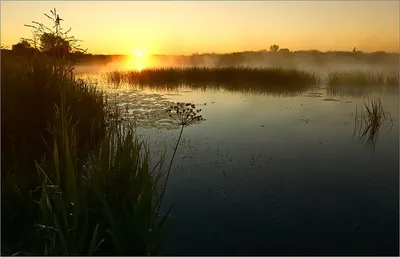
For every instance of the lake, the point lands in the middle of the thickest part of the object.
(273, 174)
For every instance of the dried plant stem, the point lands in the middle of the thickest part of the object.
(170, 164)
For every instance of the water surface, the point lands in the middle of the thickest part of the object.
(270, 174)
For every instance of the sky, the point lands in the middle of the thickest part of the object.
(186, 27)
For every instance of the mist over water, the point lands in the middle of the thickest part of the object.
(308, 61)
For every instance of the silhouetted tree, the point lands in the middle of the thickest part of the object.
(54, 45)
(54, 41)
(23, 48)
(274, 48)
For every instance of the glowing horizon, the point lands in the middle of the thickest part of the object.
(183, 28)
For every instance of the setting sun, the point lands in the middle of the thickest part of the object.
(139, 53)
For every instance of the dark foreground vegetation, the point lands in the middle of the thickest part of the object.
(75, 179)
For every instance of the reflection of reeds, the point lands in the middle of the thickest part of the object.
(232, 78)
(368, 122)
(357, 82)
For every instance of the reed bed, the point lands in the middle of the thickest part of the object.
(30, 92)
(232, 78)
(75, 180)
(361, 79)
(109, 206)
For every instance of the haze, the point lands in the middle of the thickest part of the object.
(189, 27)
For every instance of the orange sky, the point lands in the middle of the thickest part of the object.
(121, 27)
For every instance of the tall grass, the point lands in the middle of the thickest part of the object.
(108, 206)
(29, 93)
(361, 79)
(74, 186)
(233, 78)
(359, 82)
(368, 122)
(75, 180)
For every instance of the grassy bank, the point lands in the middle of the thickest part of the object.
(31, 93)
(75, 181)
(231, 78)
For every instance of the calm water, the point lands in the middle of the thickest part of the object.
(276, 175)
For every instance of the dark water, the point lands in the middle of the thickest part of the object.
(278, 175)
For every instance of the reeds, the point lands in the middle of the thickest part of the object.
(75, 179)
(369, 121)
(231, 78)
(359, 78)
(106, 207)
(29, 94)
(358, 82)
(104, 204)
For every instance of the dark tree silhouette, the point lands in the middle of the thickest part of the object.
(274, 48)
(54, 41)
(23, 48)
(54, 45)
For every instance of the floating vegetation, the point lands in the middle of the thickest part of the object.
(369, 121)
(145, 110)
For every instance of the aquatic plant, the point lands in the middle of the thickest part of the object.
(369, 121)
(184, 114)
(275, 80)
(357, 82)
(392, 81)
(358, 78)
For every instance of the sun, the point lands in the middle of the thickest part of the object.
(138, 60)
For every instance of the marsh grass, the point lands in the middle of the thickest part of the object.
(359, 83)
(107, 206)
(368, 122)
(361, 79)
(392, 80)
(231, 78)
(29, 94)
(106, 203)
(75, 179)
